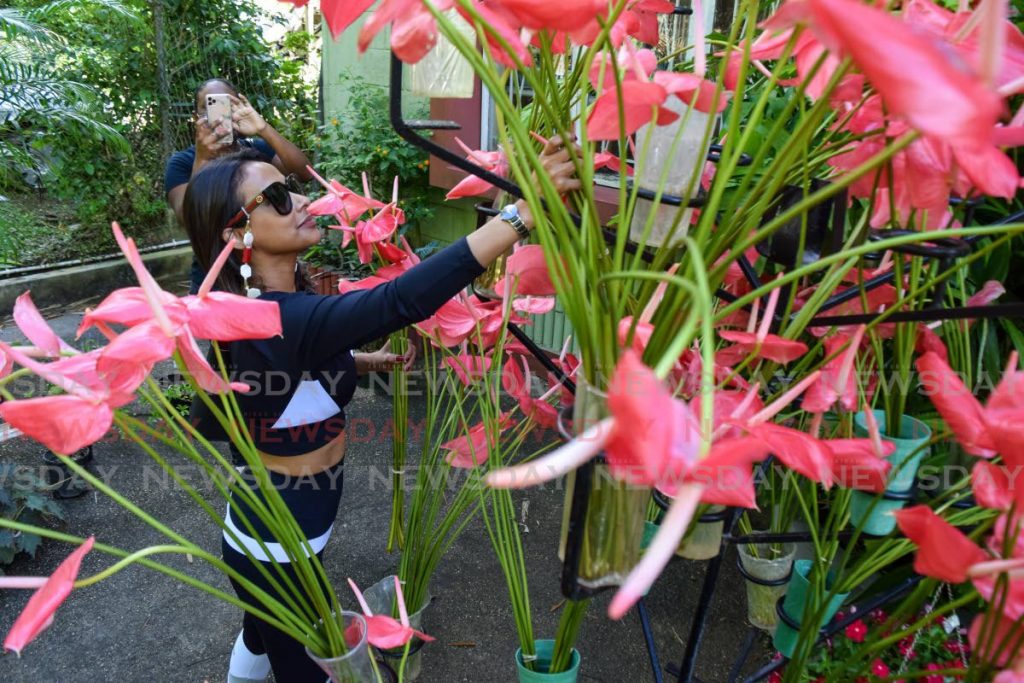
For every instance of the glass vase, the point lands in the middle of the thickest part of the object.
(681, 148)
(380, 598)
(444, 72)
(354, 666)
(767, 569)
(705, 541)
(611, 530)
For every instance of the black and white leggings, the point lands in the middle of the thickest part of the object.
(313, 500)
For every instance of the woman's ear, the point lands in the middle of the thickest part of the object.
(237, 233)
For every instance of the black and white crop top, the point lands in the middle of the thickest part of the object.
(301, 381)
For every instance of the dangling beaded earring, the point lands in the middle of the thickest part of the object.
(246, 269)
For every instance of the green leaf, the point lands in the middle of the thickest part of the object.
(29, 543)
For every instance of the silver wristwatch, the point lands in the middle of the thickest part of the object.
(510, 214)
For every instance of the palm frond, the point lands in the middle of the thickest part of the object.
(16, 24)
(52, 10)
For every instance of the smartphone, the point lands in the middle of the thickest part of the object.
(218, 111)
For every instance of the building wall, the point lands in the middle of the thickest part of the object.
(452, 219)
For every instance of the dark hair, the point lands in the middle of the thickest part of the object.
(212, 198)
(210, 81)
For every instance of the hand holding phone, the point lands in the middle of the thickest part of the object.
(218, 117)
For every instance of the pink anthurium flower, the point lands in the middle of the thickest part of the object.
(470, 450)
(34, 327)
(472, 186)
(51, 593)
(654, 439)
(66, 423)
(641, 102)
(517, 383)
(856, 465)
(956, 404)
(228, 317)
(413, 29)
(762, 344)
(910, 69)
(943, 553)
(527, 270)
(342, 202)
(468, 368)
(565, 16)
(838, 382)
(339, 14)
(386, 632)
(686, 86)
(995, 486)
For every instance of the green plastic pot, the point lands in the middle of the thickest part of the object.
(794, 604)
(650, 530)
(914, 434)
(545, 651)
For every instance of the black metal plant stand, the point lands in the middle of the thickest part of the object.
(825, 229)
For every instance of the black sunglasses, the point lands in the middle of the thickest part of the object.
(277, 194)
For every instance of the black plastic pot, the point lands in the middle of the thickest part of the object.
(64, 483)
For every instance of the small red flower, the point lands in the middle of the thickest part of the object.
(933, 679)
(775, 677)
(856, 631)
(879, 616)
(906, 648)
(879, 668)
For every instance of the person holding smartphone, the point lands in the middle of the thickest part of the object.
(213, 140)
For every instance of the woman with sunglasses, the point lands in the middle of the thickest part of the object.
(299, 429)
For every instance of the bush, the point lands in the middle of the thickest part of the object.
(24, 497)
(361, 139)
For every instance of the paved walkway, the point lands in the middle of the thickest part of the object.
(140, 626)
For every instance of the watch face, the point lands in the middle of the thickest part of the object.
(509, 211)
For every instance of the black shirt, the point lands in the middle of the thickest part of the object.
(301, 381)
(179, 167)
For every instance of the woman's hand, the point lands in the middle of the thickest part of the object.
(247, 120)
(555, 159)
(383, 360)
(208, 140)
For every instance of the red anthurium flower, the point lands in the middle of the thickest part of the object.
(956, 404)
(646, 445)
(685, 86)
(38, 613)
(34, 327)
(528, 271)
(518, 384)
(910, 69)
(943, 552)
(227, 317)
(470, 449)
(997, 629)
(985, 578)
(505, 26)
(856, 465)
(369, 234)
(995, 486)
(610, 161)
(472, 186)
(383, 631)
(762, 344)
(413, 29)
(838, 382)
(468, 368)
(798, 450)
(339, 14)
(346, 205)
(641, 102)
(565, 16)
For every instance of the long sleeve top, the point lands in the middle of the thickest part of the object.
(301, 381)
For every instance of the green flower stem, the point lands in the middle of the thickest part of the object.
(399, 439)
(296, 632)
